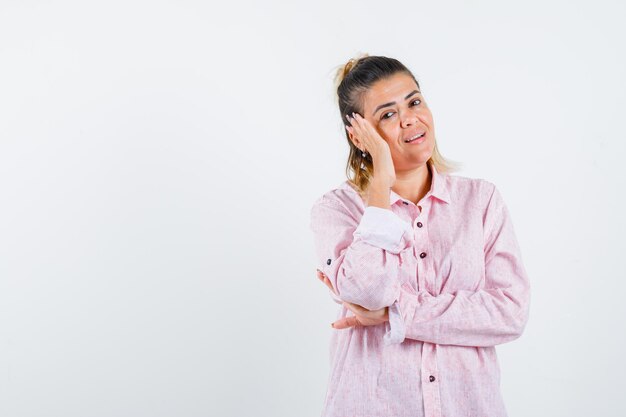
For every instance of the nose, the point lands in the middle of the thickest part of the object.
(407, 119)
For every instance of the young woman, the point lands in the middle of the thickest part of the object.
(425, 264)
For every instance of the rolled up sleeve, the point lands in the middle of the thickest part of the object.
(360, 255)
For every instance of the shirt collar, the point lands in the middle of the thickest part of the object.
(438, 188)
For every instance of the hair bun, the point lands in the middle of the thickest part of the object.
(349, 65)
(344, 70)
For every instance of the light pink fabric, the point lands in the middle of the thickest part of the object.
(449, 307)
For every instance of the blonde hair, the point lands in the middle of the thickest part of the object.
(352, 80)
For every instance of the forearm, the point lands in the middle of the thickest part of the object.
(362, 261)
(378, 194)
(482, 318)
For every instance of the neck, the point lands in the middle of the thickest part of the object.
(413, 185)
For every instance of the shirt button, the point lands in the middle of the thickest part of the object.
(423, 255)
(328, 262)
(432, 378)
(405, 203)
(419, 224)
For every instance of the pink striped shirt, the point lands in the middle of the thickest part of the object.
(450, 270)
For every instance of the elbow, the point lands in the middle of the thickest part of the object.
(519, 306)
(518, 322)
(523, 314)
(371, 293)
(517, 329)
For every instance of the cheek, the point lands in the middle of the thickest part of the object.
(381, 130)
(426, 116)
(388, 132)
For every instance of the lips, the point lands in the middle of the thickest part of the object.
(414, 137)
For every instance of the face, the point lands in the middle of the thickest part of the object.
(398, 111)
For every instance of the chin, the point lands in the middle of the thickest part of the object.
(421, 157)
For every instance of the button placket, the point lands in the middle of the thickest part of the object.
(430, 374)
(419, 224)
(421, 250)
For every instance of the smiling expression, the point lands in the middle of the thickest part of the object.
(398, 111)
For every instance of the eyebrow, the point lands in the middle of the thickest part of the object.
(391, 103)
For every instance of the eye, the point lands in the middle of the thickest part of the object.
(384, 116)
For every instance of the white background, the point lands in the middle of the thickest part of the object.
(158, 161)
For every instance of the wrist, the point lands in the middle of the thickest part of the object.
(379, 182)
(378, 194)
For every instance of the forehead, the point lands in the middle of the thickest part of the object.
(394, 88)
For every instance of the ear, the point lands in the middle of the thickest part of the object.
(354, 140)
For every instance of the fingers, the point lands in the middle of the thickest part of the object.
(352, 118)
(325, 280)
(355, 308)
(329, 285)
(346, 322)
(357, 131)
(373, 315)
(358, 319)
(362, 316)
(319, 274)
(364, 133)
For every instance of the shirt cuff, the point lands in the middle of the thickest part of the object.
(395, 326)
(384, 229)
